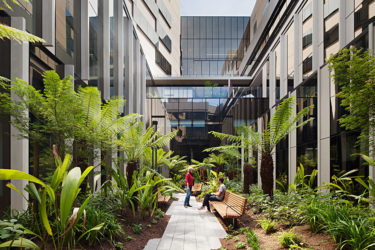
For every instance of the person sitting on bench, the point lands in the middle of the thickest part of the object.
(219, 196)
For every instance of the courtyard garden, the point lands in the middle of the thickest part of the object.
(95, 178)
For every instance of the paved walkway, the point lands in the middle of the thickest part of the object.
(189, 229)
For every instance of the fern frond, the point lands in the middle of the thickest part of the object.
(18, 35)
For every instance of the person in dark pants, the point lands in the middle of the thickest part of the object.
(219, 196)
(189, 182)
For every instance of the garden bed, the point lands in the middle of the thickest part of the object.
(137, 241)
(271, 241)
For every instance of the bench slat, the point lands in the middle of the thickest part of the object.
(233, 205)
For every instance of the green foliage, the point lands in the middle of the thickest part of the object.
(228, 236)
(353, 70)
(282, 122)
(267, 225)
(100, 213)
(154, 221)
(13, 233)
(350, 226)
(303, 180)
(252, 240)
(62, 229)
(236, 238)
(240, 245)
(244, 230)
(18, 35)
(290, 239)
(137, 228)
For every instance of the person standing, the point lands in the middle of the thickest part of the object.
(219, 196)
(189, 182)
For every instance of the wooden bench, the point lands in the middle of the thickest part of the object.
(197, 188)
(232, 207)
(163, 199)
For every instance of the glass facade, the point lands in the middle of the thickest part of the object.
(197, 110)
(65, 31)
(307, 27)
(212, 45)
(93, 42)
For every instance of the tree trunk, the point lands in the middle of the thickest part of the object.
(219, 168)
(266, 173)
(130, 168)
(248, 177)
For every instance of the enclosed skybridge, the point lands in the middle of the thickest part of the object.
(196, 110)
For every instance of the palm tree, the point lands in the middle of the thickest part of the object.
(135, 141)
(219, 161)
(281, 124)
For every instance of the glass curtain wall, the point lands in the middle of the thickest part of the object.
(210, 45)
(290, 57)
(307, 135)
(112, 43)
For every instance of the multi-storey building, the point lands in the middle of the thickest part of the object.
(290, 43)
(97, 42)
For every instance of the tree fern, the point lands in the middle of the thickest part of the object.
(18, 35)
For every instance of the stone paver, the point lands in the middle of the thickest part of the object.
(189, 229)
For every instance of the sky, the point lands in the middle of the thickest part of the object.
(217, 7)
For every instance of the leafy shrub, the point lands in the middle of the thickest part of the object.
(228, 236)
(267, 225)
(240, 245)
(236, 238)
(154, 221)
(137, 228)
(290, 239)
(111, 229)
(252, 240)
(244, 230)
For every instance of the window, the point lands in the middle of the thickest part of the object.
(162, 62)
(307, 40)
(307, 65)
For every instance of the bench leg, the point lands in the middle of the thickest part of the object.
(234, 222)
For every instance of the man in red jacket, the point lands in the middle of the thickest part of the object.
(189, 182)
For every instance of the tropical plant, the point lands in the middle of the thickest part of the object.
(219, 161)
(240, 245)
(290, 239)
(135, 140)
(252, 240)
(281, 124)
(303, 180)
(13, 235)
(65, 184)
(267, 225)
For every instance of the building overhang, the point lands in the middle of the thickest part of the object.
(177, 81)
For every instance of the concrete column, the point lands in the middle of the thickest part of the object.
(297, 49)
(283, 66)
(318, 35)
(346, 27)
(324, 125)
(137, 77)
(292, 141)
(49, 24)
(143, 96)
(65, 70)
(104, 49)
(349, 33)
(264, 80)
(83, 62)
(272, 97)
(129, 66)
(260, 129)
(97, 168)
(19, 148)
(118, 49)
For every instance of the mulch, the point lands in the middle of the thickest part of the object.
(311, 240)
